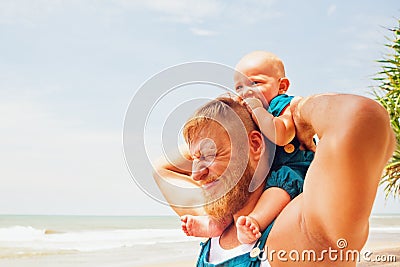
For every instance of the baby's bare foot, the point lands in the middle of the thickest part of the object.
(248, 230)
(201, 226)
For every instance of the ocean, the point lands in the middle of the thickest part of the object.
(93, 241)
(114, 241)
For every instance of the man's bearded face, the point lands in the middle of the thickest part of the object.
(233, 200)
(222, 168)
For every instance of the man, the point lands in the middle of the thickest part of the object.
(340, 187)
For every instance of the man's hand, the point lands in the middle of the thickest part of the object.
(304, 130)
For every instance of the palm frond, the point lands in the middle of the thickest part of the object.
(388, 94)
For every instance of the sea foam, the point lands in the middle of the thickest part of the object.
(42, 239)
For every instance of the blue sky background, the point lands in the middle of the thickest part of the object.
(68, 70)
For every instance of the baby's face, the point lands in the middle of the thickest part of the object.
(260, 81)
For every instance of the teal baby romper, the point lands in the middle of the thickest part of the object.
(290, 164)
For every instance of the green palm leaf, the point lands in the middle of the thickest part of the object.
(388, 94)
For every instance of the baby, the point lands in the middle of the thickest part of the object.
(260, 80)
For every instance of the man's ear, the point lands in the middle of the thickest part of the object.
(256, 144)
(283, 85)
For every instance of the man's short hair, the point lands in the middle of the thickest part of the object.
(226, 111)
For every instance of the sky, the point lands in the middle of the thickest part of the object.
(69, 70)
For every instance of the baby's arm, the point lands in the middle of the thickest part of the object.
(268, 207)
(279, 130)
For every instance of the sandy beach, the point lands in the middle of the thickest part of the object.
(379, 254)
(394, 253)
(388, 257)
(384, 246)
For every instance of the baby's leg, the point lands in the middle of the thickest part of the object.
(248, 229)
(203, 226)
(268, 207)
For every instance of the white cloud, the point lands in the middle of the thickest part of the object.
(190, 11)
(331, 10)
(194, 11)
(192, 8)
(251, 12)
(202, 32)
(29, 13)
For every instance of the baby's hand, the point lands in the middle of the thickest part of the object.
(253, 103)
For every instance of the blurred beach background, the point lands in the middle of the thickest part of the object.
(128, 241)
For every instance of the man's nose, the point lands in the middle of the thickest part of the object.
(199, 170)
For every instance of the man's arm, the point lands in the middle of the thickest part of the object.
(355, 143)
(173, 177)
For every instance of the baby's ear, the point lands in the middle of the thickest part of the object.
(284, 84)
